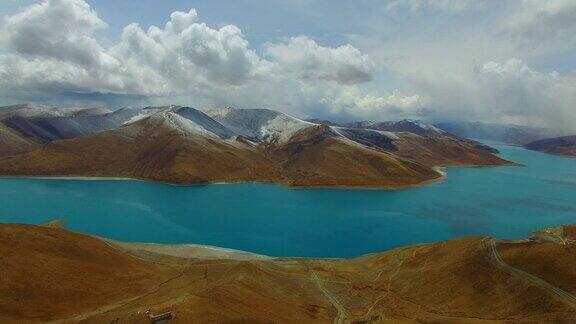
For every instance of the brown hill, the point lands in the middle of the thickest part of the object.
(445, 151)
(560, 145)
(184, 145)
(49, 274)
(166, 155)
(316, 156)
(52, 274)
(12, 143)
(149, 149)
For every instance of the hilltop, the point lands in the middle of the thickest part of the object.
(50, 274)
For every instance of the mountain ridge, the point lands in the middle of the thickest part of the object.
(186, 145)
(565, 145)
(511, 134)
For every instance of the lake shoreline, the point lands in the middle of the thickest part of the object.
(441, 177)
(275, 221)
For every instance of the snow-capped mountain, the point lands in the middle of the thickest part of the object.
(186, 145)
(259, 124)
(183, 120)
(49, 124)
(405, 125)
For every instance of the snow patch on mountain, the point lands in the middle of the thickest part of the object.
(180, 124)
(30, 111)
(140, 115)
(406, 125)
(369, 138)
(259, 124)
(206, 122)
(184, 120)
(46, 124)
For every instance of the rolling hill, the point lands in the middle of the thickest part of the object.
(559, 145)
(50, 274)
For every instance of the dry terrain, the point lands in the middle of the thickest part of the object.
(50, 274)
(186, 146)
(560, 145)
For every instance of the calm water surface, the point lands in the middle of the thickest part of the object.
(506, 202)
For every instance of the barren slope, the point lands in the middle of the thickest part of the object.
(455, 281)
(317, 156)
(12, 143)
(445, 151)
(560, 145)
(184, 145)
(147, 149)
(49, 274)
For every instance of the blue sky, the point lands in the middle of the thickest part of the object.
(497, 61)
(261, 21)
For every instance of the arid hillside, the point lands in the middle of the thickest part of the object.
(13, 143)
(559, 145)
(184, 145)
(52, 274)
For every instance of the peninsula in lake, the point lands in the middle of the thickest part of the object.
(565, 145)
(187, 146)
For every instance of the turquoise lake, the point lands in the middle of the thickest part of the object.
(505, 202)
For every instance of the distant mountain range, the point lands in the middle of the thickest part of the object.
(185, 145)
(565, 145)
(512, 134)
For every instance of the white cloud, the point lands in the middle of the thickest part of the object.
(179, 21)
(515, 90)
(59, 29)
(376, 106)
(51, 47)
(306, 59)
(393, 101)
(445, 5)
(503, 91)
(186, 54)
(543, 20)
(431, 57)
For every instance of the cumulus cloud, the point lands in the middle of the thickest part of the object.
(392, 105)
(445, 5)
(504, 91)
(186, 53)
(51, 46)
(307, 60)
(392, 101)
(52, 49)
(517, 91)
(543, 20)
(59, 29)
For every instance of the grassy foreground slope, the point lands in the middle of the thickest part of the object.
(52, 274)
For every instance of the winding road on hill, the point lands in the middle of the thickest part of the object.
(562, 295)
(342, 315)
